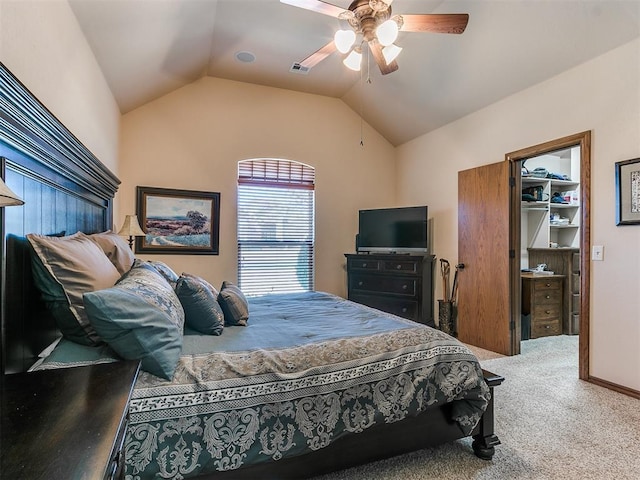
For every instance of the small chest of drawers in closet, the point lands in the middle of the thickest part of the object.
(542, 300)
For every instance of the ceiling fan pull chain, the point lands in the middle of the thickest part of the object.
(361, 109)
(368, 65)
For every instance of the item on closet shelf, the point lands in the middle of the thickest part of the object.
(540, 172)
(557, 197)
(558, 176)
(540, 269)
(537, 192)
(575, 198)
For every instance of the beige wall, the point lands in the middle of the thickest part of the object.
(194, 137)
(603, 96)
(42, 45)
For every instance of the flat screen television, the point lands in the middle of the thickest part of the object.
(393, 230)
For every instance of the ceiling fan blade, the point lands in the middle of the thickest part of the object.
(436, 23)
(316, 6)
(376, 51)
(316, 57)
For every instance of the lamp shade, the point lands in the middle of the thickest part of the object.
(131, 227)
(344, 40)
(353, 60)
(390, 52)
(7, 197)
(387, 32)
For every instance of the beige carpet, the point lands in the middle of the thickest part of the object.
(552, 426)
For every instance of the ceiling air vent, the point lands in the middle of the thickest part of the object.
(297, 68)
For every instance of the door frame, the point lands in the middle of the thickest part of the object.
(582, 140)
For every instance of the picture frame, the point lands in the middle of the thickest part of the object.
(178, 221)
(628, 192)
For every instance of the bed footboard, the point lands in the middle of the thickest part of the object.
(484, 437)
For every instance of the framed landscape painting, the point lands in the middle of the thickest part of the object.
(178, 221)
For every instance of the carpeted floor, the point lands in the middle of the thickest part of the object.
(551, 425)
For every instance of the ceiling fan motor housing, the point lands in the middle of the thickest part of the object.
(366, 19)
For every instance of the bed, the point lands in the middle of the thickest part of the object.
(233, 408)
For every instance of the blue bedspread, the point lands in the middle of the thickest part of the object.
(308, 369)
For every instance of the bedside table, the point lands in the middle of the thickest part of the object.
(66, 423)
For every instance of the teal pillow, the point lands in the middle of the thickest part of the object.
(199, 300)
(234, 304)
(140, 318)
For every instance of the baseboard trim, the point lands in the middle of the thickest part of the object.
(615, 387)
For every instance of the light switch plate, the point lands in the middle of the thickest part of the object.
(597, 253)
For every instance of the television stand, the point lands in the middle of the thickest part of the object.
(397, 283)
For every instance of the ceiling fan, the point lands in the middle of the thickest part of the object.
(372, 20)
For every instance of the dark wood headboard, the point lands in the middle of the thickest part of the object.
(65, 189)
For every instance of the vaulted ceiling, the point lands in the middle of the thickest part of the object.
(147, 48)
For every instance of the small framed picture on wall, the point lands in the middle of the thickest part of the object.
(628, 192)
(178, 221)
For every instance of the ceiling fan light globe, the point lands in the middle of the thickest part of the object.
(344, 40)
(391, 52)
(353, 61)
(387, 32)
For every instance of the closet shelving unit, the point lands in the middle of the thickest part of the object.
(538, 230)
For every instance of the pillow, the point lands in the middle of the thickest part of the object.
(116, 249)
(140, 318)
(64, 268)
(165, 270)
(199, 300)
(234, 304)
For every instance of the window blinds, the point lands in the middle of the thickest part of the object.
(275, 226)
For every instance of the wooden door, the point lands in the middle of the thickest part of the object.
(484, 245)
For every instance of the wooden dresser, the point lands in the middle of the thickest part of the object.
(398, 284)
(563, 261)
(542, 300)
(67, 423)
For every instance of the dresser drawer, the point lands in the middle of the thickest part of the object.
(542, 311)
(547, 297)
(547, 285)
(364, 263)
(543, 328)
(401, 266)
(384, 284)
(404, 308)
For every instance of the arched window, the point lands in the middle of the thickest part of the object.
(275, 226)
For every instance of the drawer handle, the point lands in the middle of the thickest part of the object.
(398, 267)
(404, 310)
(547, 326)
(359, 284)
(405, 286)
(548, 284)
(547, 296)
(547, 311)
(364, 265)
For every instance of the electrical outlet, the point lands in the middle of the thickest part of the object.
(597, 253)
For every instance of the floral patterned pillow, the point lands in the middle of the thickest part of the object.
(140, 318)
